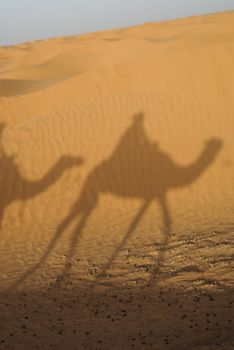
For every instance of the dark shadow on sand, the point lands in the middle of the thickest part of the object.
(136, 169)
(14, 186)
(78, 317)
(17, 87)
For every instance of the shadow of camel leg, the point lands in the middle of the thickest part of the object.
(166, 233)
(77, 235)
(127, 236)
(51, 246)
(1, 217)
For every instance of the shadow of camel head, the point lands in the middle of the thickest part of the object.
(214, 145)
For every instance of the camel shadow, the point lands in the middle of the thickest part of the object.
(15, 187)
(137, 168)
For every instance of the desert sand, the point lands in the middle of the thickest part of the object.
(117, 188)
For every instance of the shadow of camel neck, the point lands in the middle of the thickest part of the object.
(185, 175)
(33, 188)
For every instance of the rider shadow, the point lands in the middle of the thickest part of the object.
(136, 169)
(15, 187)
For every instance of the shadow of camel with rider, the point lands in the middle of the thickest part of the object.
(137, 168)
(15, 187)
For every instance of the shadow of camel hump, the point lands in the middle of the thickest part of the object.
(15, 187)
(137, 168)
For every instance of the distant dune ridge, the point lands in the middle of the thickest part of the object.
(115, 139)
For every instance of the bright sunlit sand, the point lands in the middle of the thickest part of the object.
(117, 188)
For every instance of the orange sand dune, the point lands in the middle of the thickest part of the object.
(179, 151)
(118, 142)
